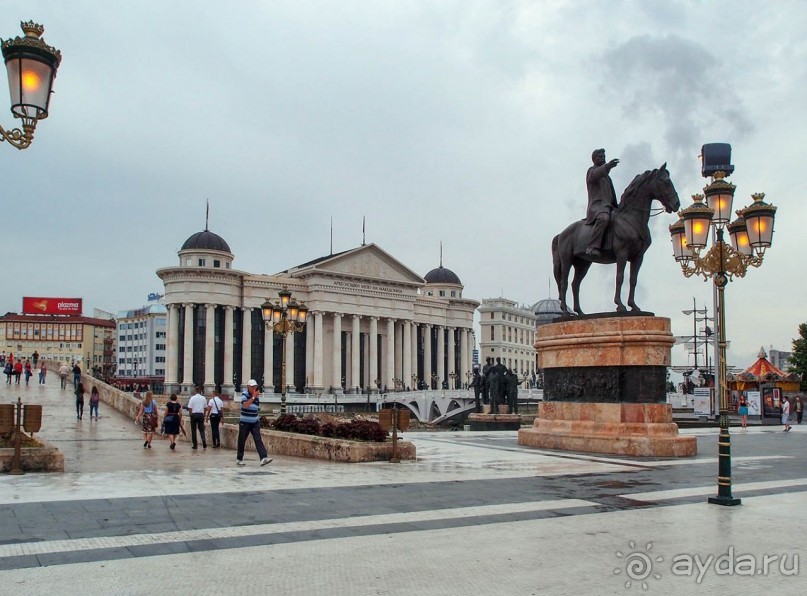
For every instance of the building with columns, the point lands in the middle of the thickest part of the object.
(508, 332)
(373, 323)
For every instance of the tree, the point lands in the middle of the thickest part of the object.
(798, 357)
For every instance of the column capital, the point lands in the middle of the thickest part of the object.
(374, 318)
(337, 315)
(210, 305)
(246, 308)
(356, 317)
(188, 304)
(229, 307)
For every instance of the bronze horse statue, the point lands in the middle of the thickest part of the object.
(629, 233)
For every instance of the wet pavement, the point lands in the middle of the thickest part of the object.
(476, 513)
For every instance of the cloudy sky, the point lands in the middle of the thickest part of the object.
(469, 123)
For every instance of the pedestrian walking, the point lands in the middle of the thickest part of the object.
(785, 413)
(79, 401)
(214, 414)
(76, 374)
(35, 357)
(43, 372)
(743, 411)
(197, 407)
(17, 371)
(148, 418)
(8, 370)
(172, 420)
(799, 409)
(249, 424)
(28, 371)
(64, 370)
(95, 399)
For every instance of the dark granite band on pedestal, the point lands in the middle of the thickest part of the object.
(604, 388)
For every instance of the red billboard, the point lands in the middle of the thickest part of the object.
(51, 306)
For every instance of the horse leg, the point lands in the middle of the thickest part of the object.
(620, 276)
(580, 270)
(635, 264)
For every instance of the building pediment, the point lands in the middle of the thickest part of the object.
(366, 262)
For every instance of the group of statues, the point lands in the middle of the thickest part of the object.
(496, 385)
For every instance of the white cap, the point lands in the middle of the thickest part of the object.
(252, 383)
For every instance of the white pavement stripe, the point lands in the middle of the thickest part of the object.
(105, 542)
(678, 493)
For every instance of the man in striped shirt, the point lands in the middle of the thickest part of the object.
(249, 423)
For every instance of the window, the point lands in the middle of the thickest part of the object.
(491, 334)
(188, 262)
(201, 262)
(159, 334)
(159, 359)
(453, 293)
(442, 293)
(120, 349)
(159, 346)
(216, 263)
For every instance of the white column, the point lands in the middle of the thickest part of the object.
(407, 354)
(309, 353)
(451, 355)
(414, 356)
(289, 356)
(268, 359)
(318, 351)
(336, 363)
(355, 360)
(187, 373)
(390, 368)
(227, 383)
(372, 338)
(246, 346)
(427, 355)
(398, 349)
(210, 347)
(464, 356)
(441, 356)
(172, 360)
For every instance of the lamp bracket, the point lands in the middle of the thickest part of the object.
(721, 260)
(21, 139)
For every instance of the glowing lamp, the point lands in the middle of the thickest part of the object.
(719, 196)
(759, 218)
(267, 308)
(681, 250)
(32, 66)
(697, 219)
(285, 296)
(739, 236)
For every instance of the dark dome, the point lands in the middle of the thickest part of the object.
(206, 240)
(547, 306)
(441, 275)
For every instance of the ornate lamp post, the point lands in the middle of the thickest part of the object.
(751, 233)
(434, 381)
(453, 376)
(284, 317)
(32, 66)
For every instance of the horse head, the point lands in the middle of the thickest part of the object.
(664, 191)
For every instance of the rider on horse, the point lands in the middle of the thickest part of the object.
(601, 200)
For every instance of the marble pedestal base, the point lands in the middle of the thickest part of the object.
(494, 421)
(644, 430)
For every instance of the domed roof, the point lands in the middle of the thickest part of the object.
(548, 306)
(441, 275)
(206, 240)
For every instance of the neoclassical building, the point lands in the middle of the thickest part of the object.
(373, 323)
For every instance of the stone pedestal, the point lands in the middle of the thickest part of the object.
(494, 421)
(605, 387)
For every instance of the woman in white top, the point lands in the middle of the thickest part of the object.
(786, 413)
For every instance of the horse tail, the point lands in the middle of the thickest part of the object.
(556, 260)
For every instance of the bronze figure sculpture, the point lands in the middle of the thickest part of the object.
(626, 239)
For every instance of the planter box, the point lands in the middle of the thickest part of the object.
(34, 459)
(310, 446)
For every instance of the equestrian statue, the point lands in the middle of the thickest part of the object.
(611, 232)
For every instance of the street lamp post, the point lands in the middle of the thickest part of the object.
(453, 376)
(751, 233)
(284, 317)
(32, 66)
